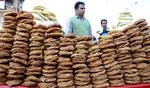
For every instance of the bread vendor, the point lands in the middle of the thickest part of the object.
(78, 24)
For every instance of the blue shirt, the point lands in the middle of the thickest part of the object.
(104, 33)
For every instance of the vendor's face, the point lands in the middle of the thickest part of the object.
(104, 24)
(81, 10)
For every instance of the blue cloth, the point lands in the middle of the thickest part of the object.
(104, 33)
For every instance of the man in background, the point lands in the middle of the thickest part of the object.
(78, 24)
(105, 31)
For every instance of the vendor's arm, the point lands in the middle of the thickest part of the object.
(90, 31)
(69, 27)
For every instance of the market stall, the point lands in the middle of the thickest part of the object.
(34, 55)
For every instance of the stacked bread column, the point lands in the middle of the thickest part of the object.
(65, 71)
(124, 57)
(145, 32)
(6, 42)
(17, 66)
(35, 60)
(97, 71)
(110, 63)
(146, 40)
(138, 51)
(51, 43)
(81, 71)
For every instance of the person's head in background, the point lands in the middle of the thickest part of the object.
(104, 24)
(79, 8)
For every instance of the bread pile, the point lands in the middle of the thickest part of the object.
(51, 43)
(143, 64)
(97, 70)
(110, 63)
(124, 57)
(17, 66)
(32, 55)
(35, 60)
(6, 41)
(65, 71)
(145, 31)
(81, 71)
(9, 23)
(135, 43)
(1, 32)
